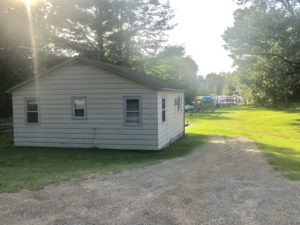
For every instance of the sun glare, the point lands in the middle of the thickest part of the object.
(29, 3)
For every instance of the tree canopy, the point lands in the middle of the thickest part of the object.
(118, 31)
(218, 84)
(264, 43)
(172, 64)
(131, 33)
(14, 63)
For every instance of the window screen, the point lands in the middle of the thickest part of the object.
(32, 112)
(79, 108)
(132, 113)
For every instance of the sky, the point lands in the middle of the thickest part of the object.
(200, 24)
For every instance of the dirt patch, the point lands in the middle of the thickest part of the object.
(226, 181)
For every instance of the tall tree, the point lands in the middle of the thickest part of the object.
(118, 31)
(218, 84)
(290, 6)
(265, 45)
(174, 65)
(15, 64)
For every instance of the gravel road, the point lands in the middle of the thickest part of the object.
(226, 181)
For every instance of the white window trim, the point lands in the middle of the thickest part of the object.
(73, 108)
(125, 98)
(26, 99)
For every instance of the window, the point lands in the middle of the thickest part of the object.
(163, 109)
(32, 110)
(178, 104)
(132, 110)
(79, 107)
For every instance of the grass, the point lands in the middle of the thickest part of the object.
(33, 168)
(276, 133)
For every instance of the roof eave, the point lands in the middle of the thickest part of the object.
(102, 66)
(173, 89)
(105, 67)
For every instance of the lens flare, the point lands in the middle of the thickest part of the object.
(31, 2)
(28, 4)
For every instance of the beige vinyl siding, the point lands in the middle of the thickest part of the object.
(173, 127)
(103, 128)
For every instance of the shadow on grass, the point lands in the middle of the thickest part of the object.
(296, 123)
(289, 111)
(212, 116)
(294, 108)
(283, 159)
(241, 108)
(207, 117)
(33, 168)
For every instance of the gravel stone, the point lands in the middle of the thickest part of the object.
(225, 181)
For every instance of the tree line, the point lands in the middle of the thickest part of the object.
(264, 43)
(123, 32)
(217, 84)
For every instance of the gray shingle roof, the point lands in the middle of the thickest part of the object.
(143, 78)
(135, 75)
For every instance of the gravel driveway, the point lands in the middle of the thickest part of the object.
(226, 181)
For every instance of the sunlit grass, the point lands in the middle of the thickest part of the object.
(277, 133)
(33, 168)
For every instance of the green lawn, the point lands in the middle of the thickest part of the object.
(33, 168)
(276, 133)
